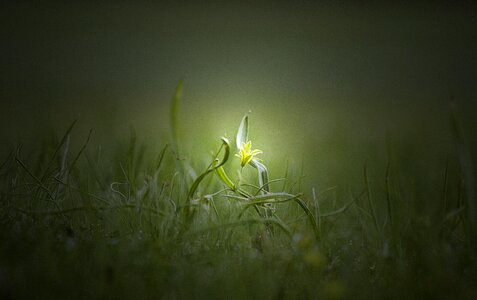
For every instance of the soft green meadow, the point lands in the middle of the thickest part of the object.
(149, 220)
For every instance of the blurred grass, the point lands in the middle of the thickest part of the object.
(85, 218)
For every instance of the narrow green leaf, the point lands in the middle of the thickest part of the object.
(80, 152)
(271, 199)
(242, 133)
(262, 175)
(58, 148)
(160, 158)
(225, 179)
(215, 164)
(310, 215)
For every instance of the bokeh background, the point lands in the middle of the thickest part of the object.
(329, 85)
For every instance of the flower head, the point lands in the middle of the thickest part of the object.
(246, 154)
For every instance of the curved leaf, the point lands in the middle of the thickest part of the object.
(262, 175)
(215, 164)
(225, 179)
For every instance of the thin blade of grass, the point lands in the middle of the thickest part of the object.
(62, 141)
(83, 147)
(160, 158)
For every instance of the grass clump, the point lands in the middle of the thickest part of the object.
(141, 225)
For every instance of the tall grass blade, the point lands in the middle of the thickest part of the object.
(160, 158)
(317, 209)
(75, 160)
(58, 148)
